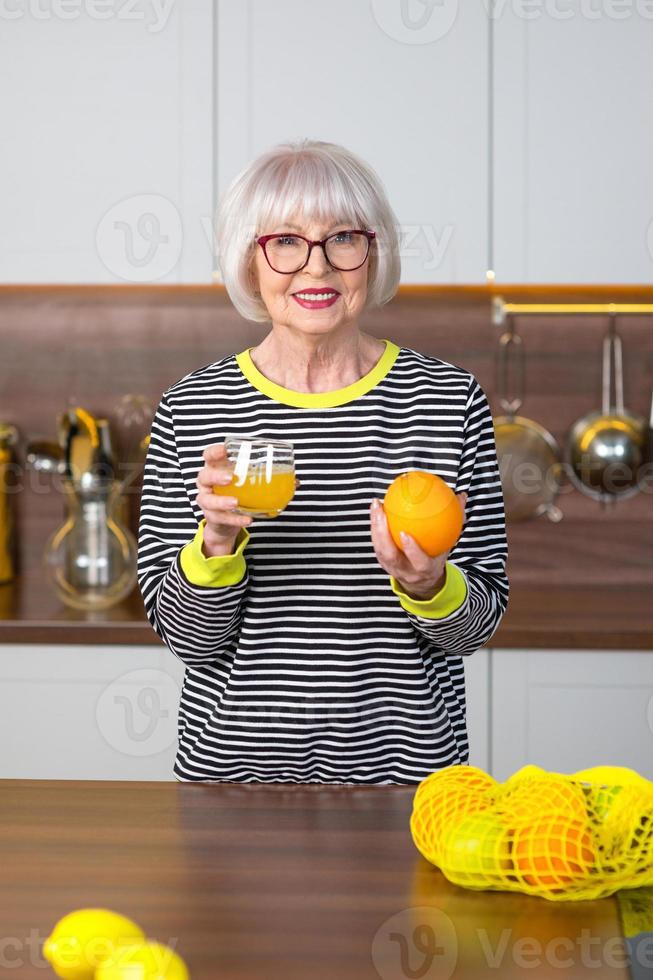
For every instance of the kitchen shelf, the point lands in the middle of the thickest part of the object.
(583, 617)
(31, 613)
(598, 617)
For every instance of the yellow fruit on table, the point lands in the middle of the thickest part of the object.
(83, 939)
(527, 800)
(613, 776)
(424, 506)
(469, 778)
(442, 800)
(477, 845)
(602, 800)
(143, 961)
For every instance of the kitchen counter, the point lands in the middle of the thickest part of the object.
(552, 617)
(252, 881)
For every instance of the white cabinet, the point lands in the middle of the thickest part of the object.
(477, 690)
(572, 143)
(110, 712)
(88, 712)
(403, 86)
(126, 123)
(566, 710)
(106, 164)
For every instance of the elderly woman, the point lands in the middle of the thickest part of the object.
(316, 651)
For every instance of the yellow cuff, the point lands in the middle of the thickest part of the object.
(450, 597)
(217, 571)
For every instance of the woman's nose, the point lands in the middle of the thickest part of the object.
(317, 260)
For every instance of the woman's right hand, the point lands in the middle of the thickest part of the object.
(222, 524)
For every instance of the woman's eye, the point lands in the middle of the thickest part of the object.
(286, 240)
(343, 237)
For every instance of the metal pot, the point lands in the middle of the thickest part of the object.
(529, 456)
(605, 449)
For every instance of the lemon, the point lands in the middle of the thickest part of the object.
(476, 851)
(81, 940)
(603, 800)
(613, 776)
(143, 961)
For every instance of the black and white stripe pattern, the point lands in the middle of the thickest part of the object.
(310, 670)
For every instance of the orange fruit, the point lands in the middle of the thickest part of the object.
(422, 505)
(551, 853)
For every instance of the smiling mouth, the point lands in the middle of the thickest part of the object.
(315, 296)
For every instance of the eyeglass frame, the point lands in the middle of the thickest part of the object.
(262, 240)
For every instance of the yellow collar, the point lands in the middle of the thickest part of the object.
(320, 399)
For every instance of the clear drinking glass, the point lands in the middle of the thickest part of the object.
(263, 479)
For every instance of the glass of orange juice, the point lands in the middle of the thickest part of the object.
(263, 479)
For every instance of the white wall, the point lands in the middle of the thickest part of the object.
(106, 162)
(354, 73)
(573, 141)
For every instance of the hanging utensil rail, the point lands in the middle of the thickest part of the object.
(500, 309)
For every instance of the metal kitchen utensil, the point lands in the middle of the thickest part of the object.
(605, 449)
(646, 470)
(45, 456)
(529, 456)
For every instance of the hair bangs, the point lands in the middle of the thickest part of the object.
(307, 188)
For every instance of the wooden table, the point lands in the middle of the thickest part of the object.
(274, 881)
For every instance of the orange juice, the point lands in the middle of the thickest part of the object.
(256, 495)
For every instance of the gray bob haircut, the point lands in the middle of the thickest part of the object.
(317, 181)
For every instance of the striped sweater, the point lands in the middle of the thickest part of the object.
(305, 662)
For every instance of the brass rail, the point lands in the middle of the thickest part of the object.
(500, 309)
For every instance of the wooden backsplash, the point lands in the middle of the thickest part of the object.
(91, 345)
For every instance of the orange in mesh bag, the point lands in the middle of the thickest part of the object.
(562, 837)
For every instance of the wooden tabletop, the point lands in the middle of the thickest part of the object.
(258, 882)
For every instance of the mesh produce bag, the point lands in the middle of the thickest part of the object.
(562, 837)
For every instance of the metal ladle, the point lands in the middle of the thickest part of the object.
(605, 449)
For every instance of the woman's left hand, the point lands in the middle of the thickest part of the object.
(418, 575)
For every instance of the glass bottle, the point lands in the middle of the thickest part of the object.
(91, 559)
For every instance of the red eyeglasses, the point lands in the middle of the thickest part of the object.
(344, 250)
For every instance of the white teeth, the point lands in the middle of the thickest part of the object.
(315, 296)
